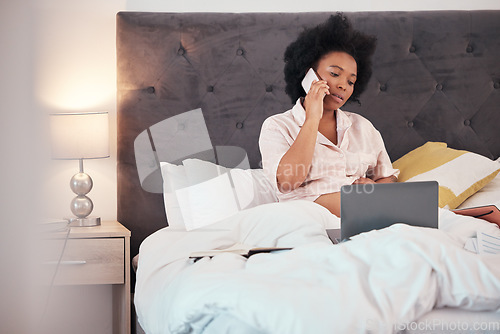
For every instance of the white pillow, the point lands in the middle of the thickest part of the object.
(174, 177)
(252, 187)
(198, 193)
(489, 194)
(209, 197)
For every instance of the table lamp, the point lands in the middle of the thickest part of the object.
(78, 136)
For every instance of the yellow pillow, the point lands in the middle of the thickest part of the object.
(460, 174)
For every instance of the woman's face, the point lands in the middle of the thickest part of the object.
(339, 70)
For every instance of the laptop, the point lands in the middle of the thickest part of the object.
(366, 207)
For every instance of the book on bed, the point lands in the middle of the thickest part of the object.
(487, 212)
(240, 249)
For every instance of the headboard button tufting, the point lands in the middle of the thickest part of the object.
(269, 89)
(383, 88)
(469, 49)
(439, 87)
(240, 52)
(496, 85)
(410, 124)
(413, 49)
(467, 122)
(150, 90)
(239, 125)
(181, 51)
(210, 89)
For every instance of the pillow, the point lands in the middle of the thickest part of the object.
(489, 194)
(459, 173)
(174, 177)
(198, 193)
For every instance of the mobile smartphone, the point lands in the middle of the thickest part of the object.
(308, 80)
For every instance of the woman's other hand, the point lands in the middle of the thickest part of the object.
(364, 180)
(313, 103)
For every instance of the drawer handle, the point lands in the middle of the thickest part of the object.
(66, 263)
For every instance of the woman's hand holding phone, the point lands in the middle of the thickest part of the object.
(318, 89)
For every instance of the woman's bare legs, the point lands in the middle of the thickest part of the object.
(330, 201)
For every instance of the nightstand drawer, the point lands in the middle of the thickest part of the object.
(92, 261)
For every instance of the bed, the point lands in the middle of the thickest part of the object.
(435, 90)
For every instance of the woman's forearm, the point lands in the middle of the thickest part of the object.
(296, 163)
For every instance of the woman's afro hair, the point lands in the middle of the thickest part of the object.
(336, 34)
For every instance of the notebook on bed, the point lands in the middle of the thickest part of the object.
(375, 206)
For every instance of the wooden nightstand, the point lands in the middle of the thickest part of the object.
(95, 256)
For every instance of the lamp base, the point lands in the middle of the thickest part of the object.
(87, 221)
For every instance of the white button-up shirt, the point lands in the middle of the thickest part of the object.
(360, 152)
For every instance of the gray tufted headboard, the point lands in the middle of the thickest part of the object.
(436, 77)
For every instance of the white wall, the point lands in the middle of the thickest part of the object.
(75, 70)
(74, 63)
(16, 168)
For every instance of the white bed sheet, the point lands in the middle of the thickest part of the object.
(381, 281)
(453, 320)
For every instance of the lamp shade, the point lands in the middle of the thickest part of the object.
(80, 135)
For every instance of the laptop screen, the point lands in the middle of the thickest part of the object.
(365, 207)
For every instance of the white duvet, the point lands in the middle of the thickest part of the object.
(376, 283)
